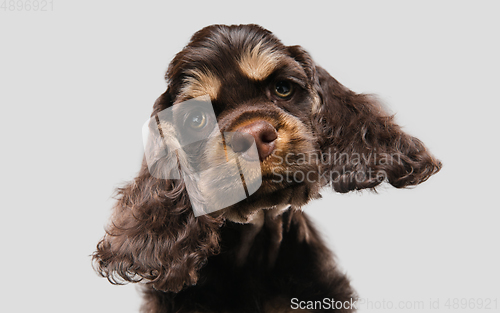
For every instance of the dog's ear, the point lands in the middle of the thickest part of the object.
(154, 236)
(362, 143)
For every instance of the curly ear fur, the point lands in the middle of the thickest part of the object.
(154, 236)
(364, 145)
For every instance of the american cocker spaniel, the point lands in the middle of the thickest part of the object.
(301, 129)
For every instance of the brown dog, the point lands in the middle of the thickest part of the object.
(261, 254)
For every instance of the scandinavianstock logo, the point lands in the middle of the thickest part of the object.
(185, 142)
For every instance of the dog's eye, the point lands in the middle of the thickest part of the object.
(283, 89)
(197, 120)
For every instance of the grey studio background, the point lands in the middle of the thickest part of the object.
(78, 81)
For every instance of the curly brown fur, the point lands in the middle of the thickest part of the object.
(258, 254)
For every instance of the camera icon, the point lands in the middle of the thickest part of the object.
(185, 142)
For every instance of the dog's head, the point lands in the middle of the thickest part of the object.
(261, 89)
(307, 129)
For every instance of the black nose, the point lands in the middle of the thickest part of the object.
(264, 135)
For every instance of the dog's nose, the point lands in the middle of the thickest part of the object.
(264, 135)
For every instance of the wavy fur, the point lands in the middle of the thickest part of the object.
(259, 253)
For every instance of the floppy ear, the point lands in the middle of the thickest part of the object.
(154, 236)
(363, 144)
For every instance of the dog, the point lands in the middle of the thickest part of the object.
(261, 254)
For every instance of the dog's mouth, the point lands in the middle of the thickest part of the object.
(276, 188)
(231, 179)
(284, 175)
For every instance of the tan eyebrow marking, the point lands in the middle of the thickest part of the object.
(201, 82)
(258, 63)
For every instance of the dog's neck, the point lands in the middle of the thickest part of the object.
(256, 222)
